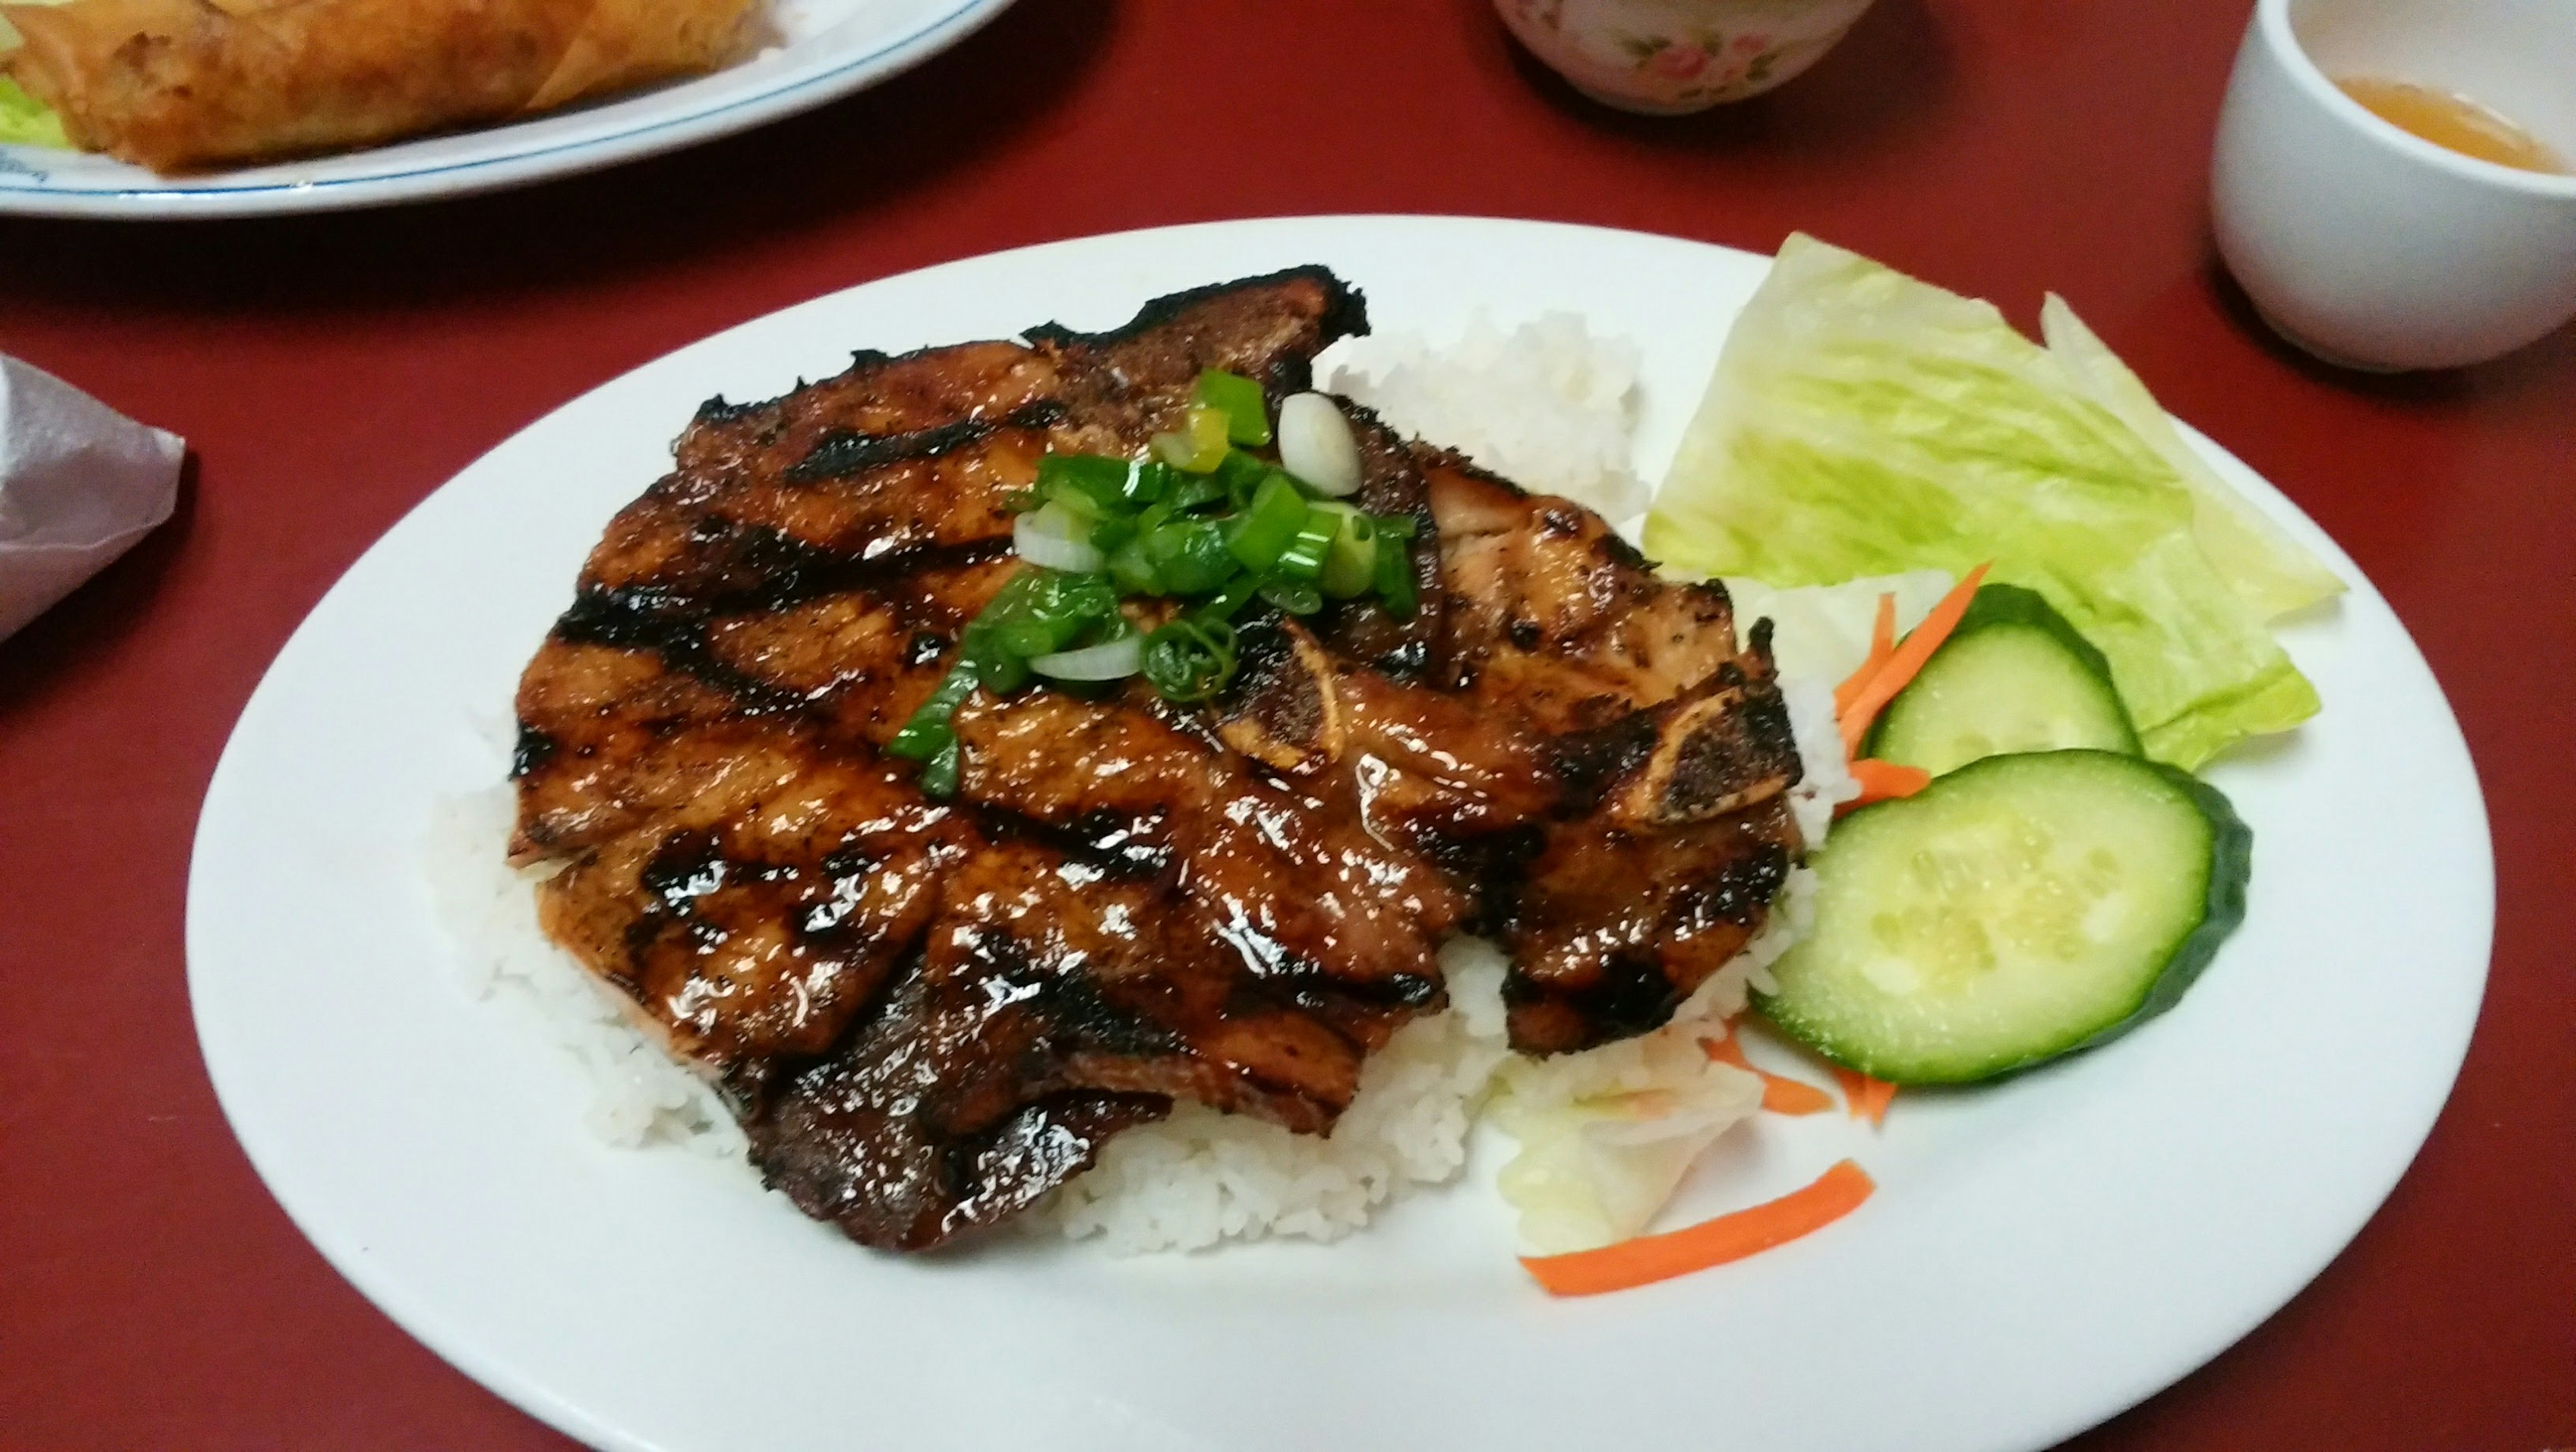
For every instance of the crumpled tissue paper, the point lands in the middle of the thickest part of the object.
(79, 484)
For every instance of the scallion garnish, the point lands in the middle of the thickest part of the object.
(1197, 522)
(1303, 560)
(1190, 659)
(1350, 563)
(1261, 534)
(1189, 556)
(1199, 445)
(1239, 399)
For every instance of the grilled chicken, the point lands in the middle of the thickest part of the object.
(930, 1013)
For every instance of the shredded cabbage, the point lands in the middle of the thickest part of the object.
(1822, 631)
(1861, 422)
(1597, 1159)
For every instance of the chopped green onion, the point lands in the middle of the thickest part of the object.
(1147, 482)
(1199, 445)
(1073, 499)
(1350, 567)
(1066, 602)
(1101, 480)
(1110, 660)
(939, 775)
(1004, 672)
(1294, 596)
(1264, 531)
(1197, 489)
(1247, 413)
(1113, 532)
(1189, 659)
(1190, 555)
(1226, 601)
(926, 729)
(1134, 570)
(1395, 578)
(1197, 521)
(1026, 638)
(1303, 560)
(1237, 477)
(1316, 444)
(1056, 537)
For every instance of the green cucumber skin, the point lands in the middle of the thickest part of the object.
(2222, 910)
(2231, 875)
(2011, 605)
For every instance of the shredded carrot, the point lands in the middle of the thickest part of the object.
(1875, 1100)
(1905, 661)
(1866, 1097)
(1647, 1259)
(1852, 1081)
(1780, 1095)
(1883, 781)
(1882, 641)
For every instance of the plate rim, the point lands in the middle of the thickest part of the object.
(649, 136)
(429, 1327)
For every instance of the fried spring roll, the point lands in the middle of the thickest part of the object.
(180, 85)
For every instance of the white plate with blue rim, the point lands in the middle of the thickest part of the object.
(2040, 1252)
(818, 51)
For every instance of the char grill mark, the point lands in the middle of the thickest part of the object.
(841, 453)
(929, 1014)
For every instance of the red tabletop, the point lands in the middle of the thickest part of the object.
(329, 372)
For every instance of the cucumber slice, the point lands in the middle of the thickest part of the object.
(2017, 909)
(2014, 676)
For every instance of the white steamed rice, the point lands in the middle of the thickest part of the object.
(1547, 405)
(640, 1095)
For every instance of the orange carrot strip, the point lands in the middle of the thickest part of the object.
(1883, 781)
(1780, 1095)
(1875, 1099)
(1882, 640)
(1789, 1096)
(1868, 1098)
(1854, 1084)
(1643, 1261)
(1906, 660)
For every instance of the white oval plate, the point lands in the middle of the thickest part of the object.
(2039, 1255)
(824, 49)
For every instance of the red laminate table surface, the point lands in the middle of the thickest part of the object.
(329, 372)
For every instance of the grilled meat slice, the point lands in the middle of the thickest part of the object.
(930, 1013)
(1679, 744)
(1583, 741)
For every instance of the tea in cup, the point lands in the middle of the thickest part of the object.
(2390, 183)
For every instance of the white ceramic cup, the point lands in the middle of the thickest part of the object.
(2371, 247)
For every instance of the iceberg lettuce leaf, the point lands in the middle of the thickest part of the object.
(26, 121)
(2257, 557)
(1861, 422)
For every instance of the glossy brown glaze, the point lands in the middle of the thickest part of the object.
(930, 1013)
